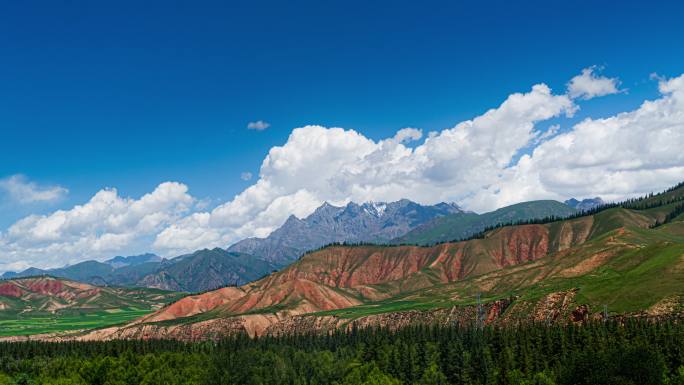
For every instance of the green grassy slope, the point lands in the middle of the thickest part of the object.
(625, 265)
(462, 225)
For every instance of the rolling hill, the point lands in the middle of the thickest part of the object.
(45, 304)
(464, 224)
(629, 258)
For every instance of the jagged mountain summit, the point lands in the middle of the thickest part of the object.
(367, 222)
(584, 204)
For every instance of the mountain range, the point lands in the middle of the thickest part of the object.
(623, 261)
(368, 222)
(199, 271)
(403, 221)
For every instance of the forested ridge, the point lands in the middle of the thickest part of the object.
(635, 352)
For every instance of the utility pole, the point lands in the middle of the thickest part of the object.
(478, 316)
(605, 313)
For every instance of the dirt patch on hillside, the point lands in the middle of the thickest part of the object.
(666, 306)
(589, 264)
(552, 308)
(574, 232)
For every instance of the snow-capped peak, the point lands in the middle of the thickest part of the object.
(379, 208)
(375, 208)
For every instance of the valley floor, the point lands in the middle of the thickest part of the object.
(57, 323)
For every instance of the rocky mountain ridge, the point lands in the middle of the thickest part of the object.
(367, 222)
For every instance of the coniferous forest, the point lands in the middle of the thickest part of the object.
(635, 352)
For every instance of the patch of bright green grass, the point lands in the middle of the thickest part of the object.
(19, 325)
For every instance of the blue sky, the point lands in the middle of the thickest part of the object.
(129, 95)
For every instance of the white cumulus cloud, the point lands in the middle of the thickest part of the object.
(588, 85)
(24, 191)
(319, 164)
(408, 134)
(631, 153)
(106, 224)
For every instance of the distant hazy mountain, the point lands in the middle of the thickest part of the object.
(464, 224)
(133, 260)
(368, 222)
(31, 271)
(92, 272)
(584, 204)
(398, 222)
(199, 271)
(207, 269)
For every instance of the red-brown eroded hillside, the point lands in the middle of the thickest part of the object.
(29, 288)
(45, 294)
(338, 277)
(195, 304)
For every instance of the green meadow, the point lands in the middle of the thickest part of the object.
(17, 326)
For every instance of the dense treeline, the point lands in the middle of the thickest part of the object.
(677, 211)
(634, 353)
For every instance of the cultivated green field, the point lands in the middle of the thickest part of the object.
(60, 323)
